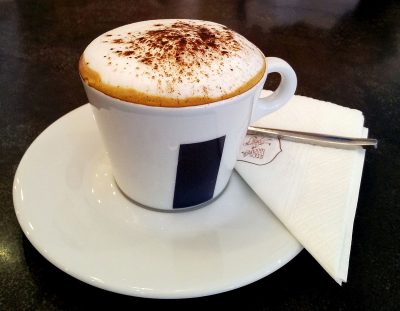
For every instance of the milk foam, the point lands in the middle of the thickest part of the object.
(176, 59)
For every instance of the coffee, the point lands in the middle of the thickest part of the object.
(176, 158)
(172, 63)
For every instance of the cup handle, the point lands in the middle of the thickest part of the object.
(282, 94)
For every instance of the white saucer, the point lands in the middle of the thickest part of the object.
(69, 207)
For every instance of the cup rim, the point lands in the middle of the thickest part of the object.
(147, 108)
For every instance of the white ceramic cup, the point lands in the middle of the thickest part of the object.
(175, 158)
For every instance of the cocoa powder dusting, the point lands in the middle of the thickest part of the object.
(180, 47)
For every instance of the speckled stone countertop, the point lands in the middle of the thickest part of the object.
(346, 52)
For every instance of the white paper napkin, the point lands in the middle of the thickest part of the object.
(313, 190)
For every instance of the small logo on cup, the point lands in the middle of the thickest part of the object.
(259, 150)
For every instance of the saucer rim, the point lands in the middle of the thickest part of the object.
(256, 276)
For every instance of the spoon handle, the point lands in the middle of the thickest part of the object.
(316, 139)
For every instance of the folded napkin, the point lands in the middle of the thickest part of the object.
(313, 190)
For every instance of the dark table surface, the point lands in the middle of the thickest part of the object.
(346, 51)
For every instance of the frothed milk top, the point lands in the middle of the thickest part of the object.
(173, 63)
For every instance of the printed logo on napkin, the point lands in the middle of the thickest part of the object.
(259, 150)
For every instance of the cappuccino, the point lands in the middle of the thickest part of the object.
(172, 100)
(172, 63)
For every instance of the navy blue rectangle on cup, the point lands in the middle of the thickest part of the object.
(197, 172)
